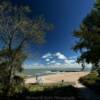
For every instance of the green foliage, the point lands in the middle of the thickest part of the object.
(34, 88)
(18, 84)
(17, 30)
(89, 80)
(89, 38)
(51, 91)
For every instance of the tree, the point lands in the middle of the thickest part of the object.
(89, 38)
(16, 80)
(17, 29)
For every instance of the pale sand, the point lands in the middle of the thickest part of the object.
(67, 77)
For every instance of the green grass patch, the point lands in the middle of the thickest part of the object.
(89, 80)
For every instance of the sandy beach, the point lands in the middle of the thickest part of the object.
(67, 77)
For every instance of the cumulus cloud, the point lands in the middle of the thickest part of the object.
(47, 55)
(53, 62)
(60, 56)
(57, 60)
(73, 57)
(69, 61)
(58, 64)
(47, 60)
(32, 65)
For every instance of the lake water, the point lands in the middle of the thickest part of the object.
(41, 71)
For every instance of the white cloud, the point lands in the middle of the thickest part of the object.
(60, 56)
(48, 63)
(55, 58)
(55, 65)
(47, 60)
(46, 55)
(33, 65)
(53, 62)
(73, 57)
(68, 61)
(58, 64)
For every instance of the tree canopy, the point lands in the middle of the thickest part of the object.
(89, 38)
(17, 29)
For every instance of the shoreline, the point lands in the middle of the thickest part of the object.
(56, 78)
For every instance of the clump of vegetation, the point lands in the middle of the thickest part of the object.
(89, 39)
(88, 45)
(60, 91)
(90, 79)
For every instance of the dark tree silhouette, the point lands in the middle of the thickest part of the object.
(89, 38)
(17, 29)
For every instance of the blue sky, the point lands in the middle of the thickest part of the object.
(66, 15)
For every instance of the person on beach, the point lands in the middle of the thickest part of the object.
(38, 80)
(62, 81)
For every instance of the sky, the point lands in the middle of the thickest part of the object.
(66, 16)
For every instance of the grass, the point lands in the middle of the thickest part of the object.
(49, 90)
(61, 91)
(34, 88)
(91, 81)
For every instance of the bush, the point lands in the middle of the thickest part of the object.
(50, 91)
(89, 80)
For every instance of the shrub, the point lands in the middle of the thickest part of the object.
(89, 80)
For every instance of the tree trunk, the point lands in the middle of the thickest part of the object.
(10, 82)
